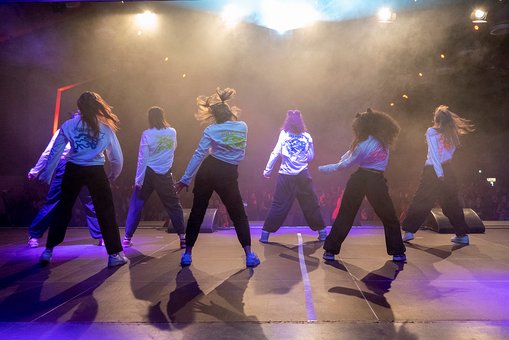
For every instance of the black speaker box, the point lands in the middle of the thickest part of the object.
(438, 222)
(209, 225)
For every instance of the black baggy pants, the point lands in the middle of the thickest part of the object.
(94, 178)
(431, 190)
(372, 185)
(288, 188)
(221, 177)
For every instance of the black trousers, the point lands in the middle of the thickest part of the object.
(431, 190)
(221, 177)
(288, 188)
(94, 178)
(163, 185)
(373, 185)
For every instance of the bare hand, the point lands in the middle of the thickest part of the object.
(31, 177)
(137, 187)
(179, 186)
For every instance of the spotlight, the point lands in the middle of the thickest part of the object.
(232, 15)
(420, 74)
(478, 16)
(386, 16)
(146, 20)
(442, 56)
(405, 96)
(285, 16)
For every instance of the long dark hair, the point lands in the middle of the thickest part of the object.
(294, 122)
(215, 109)
(156, 118)
(93, 108)
(451, 125)
(377, 124)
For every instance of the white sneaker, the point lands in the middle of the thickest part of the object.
(464, 240)
(33, 242)
(117, 259)
(408, 236)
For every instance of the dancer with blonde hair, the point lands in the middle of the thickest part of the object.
(438, 181)
(215, 162)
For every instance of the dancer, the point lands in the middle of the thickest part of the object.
(374, 133)
(225, 141)
(438, 181)
(295, 146)
(92, 134)
(42, 220)
(155, 158)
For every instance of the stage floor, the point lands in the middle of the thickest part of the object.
(442, 292)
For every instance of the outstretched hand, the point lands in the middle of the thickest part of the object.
(327, 168)
(179, 186)
(266, 174)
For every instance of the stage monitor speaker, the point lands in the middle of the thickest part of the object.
(438, 222)
(151, 224)
(209, 225)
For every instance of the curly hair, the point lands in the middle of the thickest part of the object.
(215, 109)
(377, 124)
(294, 122)
(451, 125)
(93, 108)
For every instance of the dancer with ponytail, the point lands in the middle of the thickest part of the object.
(91, 135)
(155, 159)
(438, 182)
(295, 147)
(215, 161)
(374, 133)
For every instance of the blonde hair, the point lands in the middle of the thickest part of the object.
(451, 125)
(215, 109)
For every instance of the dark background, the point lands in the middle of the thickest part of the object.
(329, 71)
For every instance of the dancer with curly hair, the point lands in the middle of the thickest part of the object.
(215, 162)
(438, 182)
(295, 147)
(374, 133)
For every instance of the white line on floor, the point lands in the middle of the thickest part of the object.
(310, 308)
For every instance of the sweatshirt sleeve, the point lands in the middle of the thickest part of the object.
(41, 163)
(347, 160)
(433, 141)
(311, 149)
(276, 152)
(142, 160)
(53, 157)
(199, 154)
(114, 154)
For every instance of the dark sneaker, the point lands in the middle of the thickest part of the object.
(252, 260)
(45, 257)
(328, 256)
(322, 234)
(264, 238)
(117, 259)
(399, 258)
(186, 259)
(100, 243)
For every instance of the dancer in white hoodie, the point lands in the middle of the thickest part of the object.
(91, 135)
(155, 158)
(295, 147)
(438, 182)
